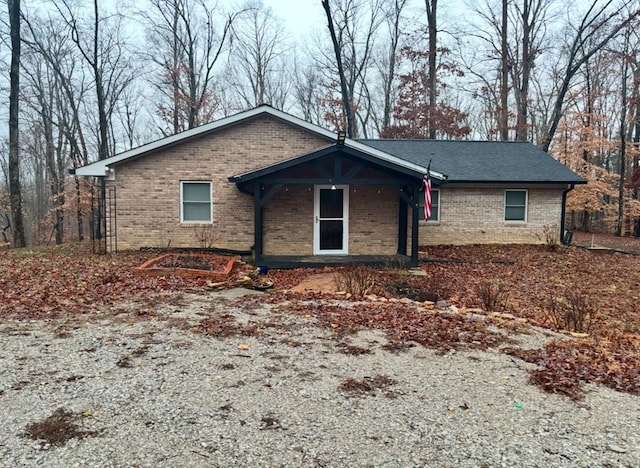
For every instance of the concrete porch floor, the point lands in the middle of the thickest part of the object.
(320, 261)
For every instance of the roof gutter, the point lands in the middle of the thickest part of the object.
(563, 214)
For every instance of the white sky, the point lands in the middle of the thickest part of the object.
(300, 16)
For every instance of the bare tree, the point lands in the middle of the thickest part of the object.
(623, 145)
(103, 51)
(516, 36)
(353, 27)
(531, 17)
(258, 58)
(129, 109)
(598, 19)
(188, 40)
(432, 28)
(306, 91)
(635, 166)
(387, 63)
(344, 88)
(49, 43)
(492, 86)
(14, 148)
(89, 46)
(45, 102)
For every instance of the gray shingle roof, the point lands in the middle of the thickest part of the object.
(481, 161)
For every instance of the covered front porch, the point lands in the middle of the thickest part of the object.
(337, 205)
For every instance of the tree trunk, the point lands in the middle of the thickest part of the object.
(636, 137)
(103, 123)
(588, 122)
(432, 7)
(175, 75)
(52, 170)
(522, 133)
(14, 153)
(504, 75)
(346, 97)
(623, 138)
(391, 72)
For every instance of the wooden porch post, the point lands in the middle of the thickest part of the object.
(257, 222)
(403, 212)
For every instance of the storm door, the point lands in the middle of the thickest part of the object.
(331, 220)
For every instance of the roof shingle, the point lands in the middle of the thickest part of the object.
(481, 161)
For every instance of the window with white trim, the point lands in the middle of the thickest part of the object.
(195, 202)
(435, 206)
(515, 206)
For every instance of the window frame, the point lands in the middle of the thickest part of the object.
(525, 206)
(182, 201)
(437, 206)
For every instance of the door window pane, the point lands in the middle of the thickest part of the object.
(331, 203)
(331, 235)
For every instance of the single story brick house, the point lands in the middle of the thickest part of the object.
(294, 192)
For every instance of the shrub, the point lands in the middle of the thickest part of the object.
(356, 280)
(551, 236)
(492, 295)
(575, 312)
(205, 235)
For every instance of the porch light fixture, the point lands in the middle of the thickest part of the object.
(333, 187)
(342, 136)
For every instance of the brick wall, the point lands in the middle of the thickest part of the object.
(288, 222)
(148, 188)
(373, 219)
(475, 214)
(373, 216)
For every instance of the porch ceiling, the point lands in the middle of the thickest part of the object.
(336, 164)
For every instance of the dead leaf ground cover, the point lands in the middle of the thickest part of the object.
(47, 283)
(529, 276)
(588, 239)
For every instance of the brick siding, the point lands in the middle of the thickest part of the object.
(475, 214)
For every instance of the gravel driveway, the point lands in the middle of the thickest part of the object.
(137, 387)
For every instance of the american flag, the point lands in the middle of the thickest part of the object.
(427, 196)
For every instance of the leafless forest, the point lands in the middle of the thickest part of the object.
(85, 80)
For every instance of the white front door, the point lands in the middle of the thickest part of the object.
(331, 220)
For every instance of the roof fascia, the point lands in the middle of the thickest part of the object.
(101, 168)
(519, 182)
